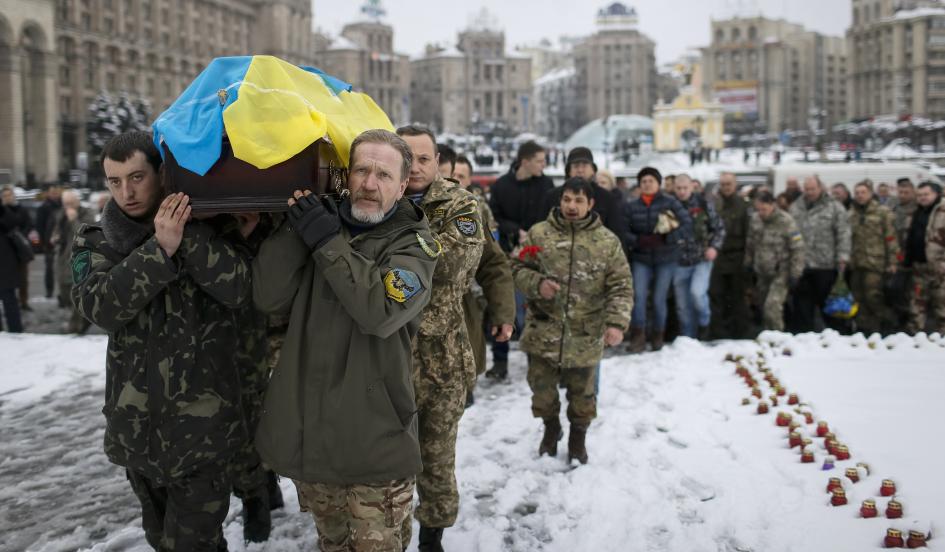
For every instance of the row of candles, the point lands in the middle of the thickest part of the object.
(836, 450)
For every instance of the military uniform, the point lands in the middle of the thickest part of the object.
(564, 336)
(727, 285)
(875, 250)
(173, 393)
(929, 277)
(339, 416)
(443, 362)
(491, 295)
(775, 251)
(901, 299)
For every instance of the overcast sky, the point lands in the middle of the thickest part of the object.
(675, 25)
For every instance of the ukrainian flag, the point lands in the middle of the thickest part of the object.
(268, 108)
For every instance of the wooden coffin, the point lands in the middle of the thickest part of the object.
(235, 186)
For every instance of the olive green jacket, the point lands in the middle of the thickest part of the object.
(340, 407)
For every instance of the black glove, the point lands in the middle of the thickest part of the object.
(315, 221)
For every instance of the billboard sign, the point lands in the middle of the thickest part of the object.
(738, 97)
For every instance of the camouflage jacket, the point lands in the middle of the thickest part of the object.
(775, 246)
(935, 239)
(734, 214)
(173, 392)
(875, 244)
(826, 230)
(903, 212)
(454, 221)
(340, 407)
(587, 260)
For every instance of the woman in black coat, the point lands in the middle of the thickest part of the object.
(657, 227)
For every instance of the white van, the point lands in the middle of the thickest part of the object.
(848, 173)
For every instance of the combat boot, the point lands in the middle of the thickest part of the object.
(275, 492)
(656, 341)
(637, 340)
(257, 522)
(703, 334)
(576, 449)
(499, 370)
(430, 539)
(553, 434)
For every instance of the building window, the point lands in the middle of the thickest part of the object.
(719, 35)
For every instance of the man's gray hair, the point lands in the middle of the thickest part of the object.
(381, 136)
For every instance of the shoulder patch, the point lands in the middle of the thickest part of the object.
(795, 235)
(402, 285)
(81, 265)
(467, 226)
(429, 250)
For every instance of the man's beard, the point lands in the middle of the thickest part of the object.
(366, 216)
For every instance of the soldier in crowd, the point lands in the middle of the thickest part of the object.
(698, 253)
(443, 361)
(67, 222)
(900, 290)
(905, 207)
(925, 255)
(826, 229)
(774, 251)
(166, 290)
(883, 196)
(841, 194)
(491, 296)
(580, 293)
(729, 280)
(339, 415)
(793, 189)
(873, 257)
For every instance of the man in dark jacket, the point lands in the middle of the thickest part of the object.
(657, 226)
(166, 291)
(518, 197)
(340, 416)
(25, 227)
(45, 216)
(580, 164)
(10, 220)
(729, 281)
(691, 279)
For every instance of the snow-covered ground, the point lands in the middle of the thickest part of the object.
(676, 462)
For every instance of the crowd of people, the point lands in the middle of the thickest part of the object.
(338, 344)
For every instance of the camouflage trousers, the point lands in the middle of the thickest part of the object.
(442, 367)
(544, 378)
(186, 515)
(771, 292)
(867, 287)
(358, 518)
(928, 298)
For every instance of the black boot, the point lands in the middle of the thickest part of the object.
(275, 492)
(470, 399)
(257, 522)
(499, 370)
(553, 434)
(703, 334)
(430, 539)
(576, 449)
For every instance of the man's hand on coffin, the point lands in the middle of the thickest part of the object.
(170, 220)
(313, 220)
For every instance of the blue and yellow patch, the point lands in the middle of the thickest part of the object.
(466, 225)
(795, 236)
(81, 265)
(402, 285)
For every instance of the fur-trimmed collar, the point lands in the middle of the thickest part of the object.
(123, 232)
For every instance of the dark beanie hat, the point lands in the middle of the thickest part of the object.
(579, 153)
(649, 171)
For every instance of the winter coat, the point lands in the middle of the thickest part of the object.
(517, 205)
(45, 217)
(588, 262)
(708, 230)
(825, 225)
(9, 264)
(645, 245)
(875, 245)
(340, 407)
(733, 211)
(172, 390)
(935, 239)
(775, 246)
